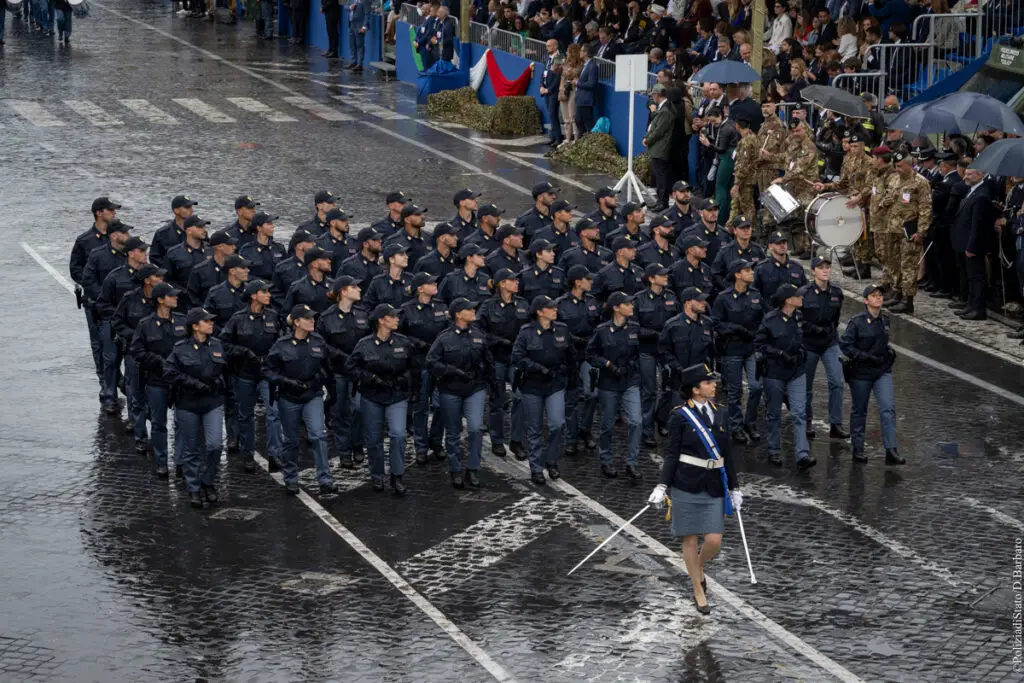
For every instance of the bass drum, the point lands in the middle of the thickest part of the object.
(831, 223)
(14, 6)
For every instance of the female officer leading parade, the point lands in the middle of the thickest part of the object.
(698, 434)
(195, 370)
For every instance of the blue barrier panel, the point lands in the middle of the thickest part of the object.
(316, 26)
(373, 39)
(405, 65)
(284, 23)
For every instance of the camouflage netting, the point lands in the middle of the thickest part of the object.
(510, 116)
(597, 152)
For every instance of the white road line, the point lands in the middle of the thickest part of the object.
(256, 107)
(454, 632)
(485, 543)
(93, 113)
(370, 108)
(997, 514)
(57, 275)
(34, 113)
(315, 108)
(149, 112)
(785, 494)
(204, 110)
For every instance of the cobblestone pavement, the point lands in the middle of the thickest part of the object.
(870, 573)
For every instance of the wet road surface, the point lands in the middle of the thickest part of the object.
(871, 573)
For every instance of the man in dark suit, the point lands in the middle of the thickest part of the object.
(444, 36)
(973, 237)
(940, 263)
(549, 82)
(605, 48)
(828, 32)
(586, 92)
(562, 30)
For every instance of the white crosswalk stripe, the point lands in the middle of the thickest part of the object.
(34, 113)
(317, 108)
(256, 107)
(149, 112)
(370, 108)
(200, 108)
(93, 113)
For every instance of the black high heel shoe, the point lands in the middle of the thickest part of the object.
(706, 609)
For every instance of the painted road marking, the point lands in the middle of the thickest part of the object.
(34, 113)
(996, 514)
(93, 113)
(256, 107)
(370, 108)
(149, 112)
(316, 108)
(202, 109)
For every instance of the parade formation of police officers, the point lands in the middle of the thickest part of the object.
(521, 330)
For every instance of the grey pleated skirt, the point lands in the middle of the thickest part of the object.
(696, 513)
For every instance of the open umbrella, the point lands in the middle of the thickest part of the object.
(922, 119)
(726, 71)
(836, 100)
(1002, 158)
(977, 111)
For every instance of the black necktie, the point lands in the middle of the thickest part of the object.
(707, 416)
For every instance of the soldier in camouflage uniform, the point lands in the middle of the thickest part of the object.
(745, 170)
(910, 214)
(772, 139)
(855, 178)
(800, 163)
(871, 197)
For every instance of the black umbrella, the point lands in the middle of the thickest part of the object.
(836, 100)
(1002, 158)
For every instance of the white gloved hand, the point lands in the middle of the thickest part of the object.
(657, 498)
(737, 499)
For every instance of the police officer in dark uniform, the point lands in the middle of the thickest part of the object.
(614, 349)
(241, 230)
(633, 216)
(604, 216)
(822, 306)
(488, 216)
(539, 216)
(211, 271)
(868, 369)
(228, 297)
(410, 236)
(365, 265)
(501, 317)
(707, 230)
(581, 313)
(442, 260)
(172, 232)
(134, 306)
(543, 354)
(737, 315)
(91, 240)
(342, 325)
(691, 270)
(152, 342)
(461, 362)
(311, 288)
(779, 344)
(296, 366)
(116, 284)
(392, 223)
(654, 306)
(509, 253)
(385, 366)
(658, 250)
(422, 319)
(290, 268)
(323, 202)
(686, 340)
(621, 275)
(471, 281)
(777, 269)
(465, 221)
(392, 286)
(588, 253)
(182, 258)
(741, 248)
(543, 278)
(247, 338)
(195, 371)
(262, 252)
(336, 241)
(560, 233)
(682, 213)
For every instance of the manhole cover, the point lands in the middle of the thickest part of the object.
(241, 514)
(316, 583)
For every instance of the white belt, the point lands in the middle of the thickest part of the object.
(705, 463)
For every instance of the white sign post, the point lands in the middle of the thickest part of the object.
(631, 77)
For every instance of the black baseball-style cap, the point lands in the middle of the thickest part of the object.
(262, 218)
(489, 210)
(412, 210)
(324, 197)
(256, 285)
(103, 204)
(314, 253)
(367, 235)
(336, 214)
(236, 261)
(543, 188)
(222, 237)
(162, 289)
(182, 201)
(460, 304)
(135, 243)
(619, 298)
(396, 198)
(194, 220)
(198, 314)
(463, 195)
(245, 202)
